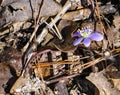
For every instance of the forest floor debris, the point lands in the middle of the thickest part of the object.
(59, 47)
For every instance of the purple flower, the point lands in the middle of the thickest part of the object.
(86, 35)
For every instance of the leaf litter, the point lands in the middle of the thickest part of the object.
(59, 47)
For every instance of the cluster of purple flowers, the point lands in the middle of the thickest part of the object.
(86, 35)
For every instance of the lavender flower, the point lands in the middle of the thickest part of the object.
(86, 35)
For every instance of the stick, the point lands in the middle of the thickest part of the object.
(59, 16)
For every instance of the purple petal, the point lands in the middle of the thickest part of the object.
(87, 42)
(76, 34)
(76, 42)
(87, 29)
(96, 36)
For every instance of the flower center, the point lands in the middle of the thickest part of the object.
(86, 32)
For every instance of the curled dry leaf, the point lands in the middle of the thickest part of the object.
(66, 28)
(81, 14)
(22, 10)
(101, 82)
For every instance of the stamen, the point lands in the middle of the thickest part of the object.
(85, 32)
